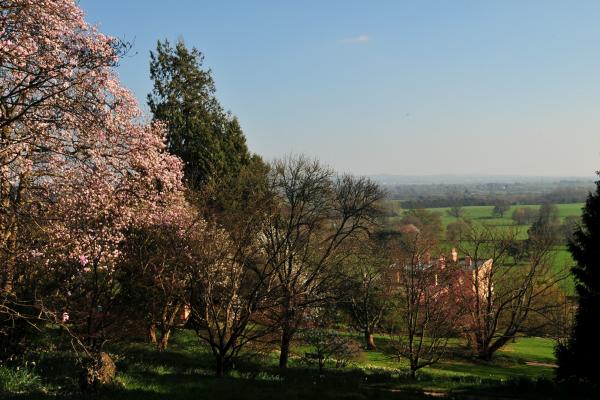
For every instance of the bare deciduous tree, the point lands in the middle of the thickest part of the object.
(368, 291)
(316, 212)
(499, 293)
(427, 311)
(230, 290)
(456, 212)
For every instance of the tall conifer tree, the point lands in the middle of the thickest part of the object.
(578, 358)
(209, 140)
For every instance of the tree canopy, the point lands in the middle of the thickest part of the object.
(578, 357)
(208, 139)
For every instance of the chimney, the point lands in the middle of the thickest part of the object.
(454, 255)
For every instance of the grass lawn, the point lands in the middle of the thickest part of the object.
(531, 349)
(184, 371)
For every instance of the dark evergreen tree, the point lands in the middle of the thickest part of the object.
(209, 140)
(578, 357)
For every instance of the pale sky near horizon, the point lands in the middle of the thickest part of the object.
(391, 87)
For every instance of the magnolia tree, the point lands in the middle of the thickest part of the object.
(154, 276)
(91, 270)
(76, 159)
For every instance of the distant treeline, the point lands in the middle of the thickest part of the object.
(427, 196)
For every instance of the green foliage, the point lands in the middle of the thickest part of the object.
(209, 140)
(578, 357)
(235, 196)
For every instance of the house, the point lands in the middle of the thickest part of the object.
(453, 272)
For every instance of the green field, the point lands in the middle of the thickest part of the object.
(184, 371)
(483, 215)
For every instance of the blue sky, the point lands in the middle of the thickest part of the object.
(398, 87)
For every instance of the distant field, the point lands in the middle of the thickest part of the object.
(483, 215)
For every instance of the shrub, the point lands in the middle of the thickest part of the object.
(329, 345)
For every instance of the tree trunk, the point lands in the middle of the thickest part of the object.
(498, 344)
(152, 334)
(370, 340)
(9, 242)
(286, 339)
(220, 370)
(8, 225)
(413, 373)
(164, 340)
(166, 325)
(484, 354)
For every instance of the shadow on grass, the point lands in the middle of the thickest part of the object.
(532, 389)
(294, 385)
(184, 371)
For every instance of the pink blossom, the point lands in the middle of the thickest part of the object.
(73, 145)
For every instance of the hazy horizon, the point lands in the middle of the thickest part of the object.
(412, 88)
